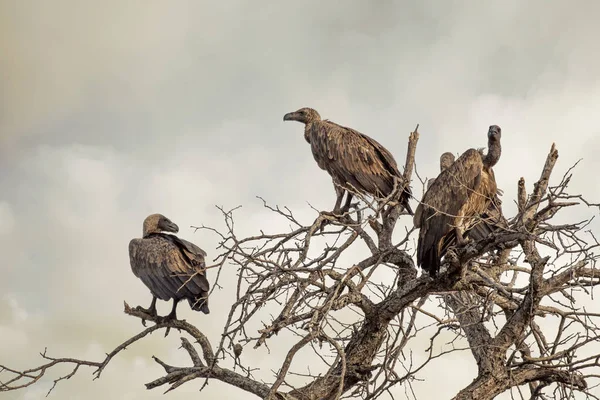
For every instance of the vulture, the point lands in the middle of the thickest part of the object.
(354, 161)
(171, 267)
(446, 161)
(491, 218)
(456, 200)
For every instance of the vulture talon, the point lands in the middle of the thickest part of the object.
(170, 318)
(149, 311)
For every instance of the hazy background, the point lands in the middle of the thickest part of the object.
(110, 111)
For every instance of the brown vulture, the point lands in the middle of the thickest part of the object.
(456, 201)
(446, 161)
(171, 267)
(490, 219)
(354, 161)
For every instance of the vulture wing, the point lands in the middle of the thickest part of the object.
(354, 158)
(441, 204)
(168, 271)
(417, 216)
(491, 220)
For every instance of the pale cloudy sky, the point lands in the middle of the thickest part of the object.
(112, 110)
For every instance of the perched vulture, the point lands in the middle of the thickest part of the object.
(456, 201)
(354, 161)
(489, 220)
(446, 161)
(171, 267)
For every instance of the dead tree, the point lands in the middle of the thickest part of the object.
(347, 291)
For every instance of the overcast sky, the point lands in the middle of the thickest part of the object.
(113, 110)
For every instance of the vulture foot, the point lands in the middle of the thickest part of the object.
(347, 207)
(172, 315)
(150, 311)
(168, 318)
(325, 217)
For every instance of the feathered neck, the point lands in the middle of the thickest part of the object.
(493, 154)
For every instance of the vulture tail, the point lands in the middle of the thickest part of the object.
(404, 197)
(200, 304)
(431, 262)
(428, 258)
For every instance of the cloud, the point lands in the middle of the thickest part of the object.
(7, 220)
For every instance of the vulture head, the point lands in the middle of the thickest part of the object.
(157, 223)
(446, 160)
(494, 133)
(304, 115)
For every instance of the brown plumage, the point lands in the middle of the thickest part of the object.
(490, 220)
(171, 267)
(455, 201)
(354, 161)
(446, 160)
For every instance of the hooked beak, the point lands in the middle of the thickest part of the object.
(290, 117)
(494, 130)
(171, 227)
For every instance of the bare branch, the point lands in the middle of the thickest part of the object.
(345, 292)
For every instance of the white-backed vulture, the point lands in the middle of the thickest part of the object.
(354, 161)
(455, 201)
(171, 267)
(446, 160)
(489, 221)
